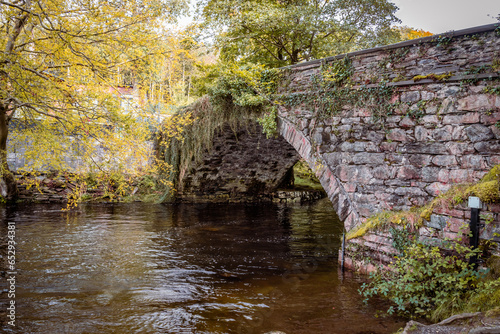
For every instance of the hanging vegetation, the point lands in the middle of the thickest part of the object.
(236, 98)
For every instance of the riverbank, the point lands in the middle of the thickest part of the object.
(471, 323)
(62, 187)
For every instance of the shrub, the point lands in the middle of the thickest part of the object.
(425, 277)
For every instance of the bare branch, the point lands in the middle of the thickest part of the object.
(15, 6)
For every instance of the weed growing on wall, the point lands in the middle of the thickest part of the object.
(269, 122)
(488, 190)
(334, 90)
(236, 97)
(425, 277)
(435, 282)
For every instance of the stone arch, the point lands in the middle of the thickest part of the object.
(342, 204)
(241, 165)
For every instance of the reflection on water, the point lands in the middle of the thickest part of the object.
(135, 268)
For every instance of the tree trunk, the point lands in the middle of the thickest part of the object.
(295, 56)
(8, 185)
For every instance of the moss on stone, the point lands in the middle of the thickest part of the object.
(493, 264)
(433, 76)
(386, 218)
(488, 190)
(492, 175)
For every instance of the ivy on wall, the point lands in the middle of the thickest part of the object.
(333, 90)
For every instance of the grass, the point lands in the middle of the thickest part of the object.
(304, 178)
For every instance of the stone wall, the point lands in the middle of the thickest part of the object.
(375, 248)
(72, 160)
(443, 130)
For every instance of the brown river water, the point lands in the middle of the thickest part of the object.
(201, 268)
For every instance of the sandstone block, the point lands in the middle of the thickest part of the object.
(448, 91)
(388, 147)
(492, 161)
(425, 95)
(458, 133)
(353, 147)
(496, 131)
(410, 191)
(372, 147)
(437, 222)
(445, 210)
(350, 173)
(478, 132)
(445, 160)
(448, 105)
(343, 206)
(461, 176)
(410, 96)
(408, 172)
(369, 158)
(383, 172)
(471, 118)
(492, 118)
(487, 148)
(431, 109)
(422, 134)
(351, 120)
(366, 210)
(303, 124)
(437, 188)
(407, 122)
(420, 160)
(455, 148)
(319, 136)
(430, 119)
(452, 119)
(375, 137)
(443, 176)
(430, 174)
(397, 135)
(350, 187)
(425, 148)
(473, 162)
(443, 134)
(393, 119)
(336, 120)
(351, 221)
(481, 102)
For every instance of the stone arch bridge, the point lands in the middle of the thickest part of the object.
(442, 128)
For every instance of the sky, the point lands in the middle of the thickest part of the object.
(439, 16)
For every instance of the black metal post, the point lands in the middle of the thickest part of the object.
(474, 237)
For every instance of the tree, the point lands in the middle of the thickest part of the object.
(286, 32)
(60, 64)
(408, 33)
(166, 78)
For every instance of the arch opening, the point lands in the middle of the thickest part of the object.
(243, 165)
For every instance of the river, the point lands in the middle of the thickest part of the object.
(200, 268)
